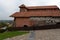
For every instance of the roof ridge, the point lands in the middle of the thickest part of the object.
(40, 7)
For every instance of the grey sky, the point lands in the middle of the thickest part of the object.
(8, 7)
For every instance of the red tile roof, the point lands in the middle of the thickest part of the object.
(29, 14)
(39, 7)
(42, 7)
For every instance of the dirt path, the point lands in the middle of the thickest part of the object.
(51, 34)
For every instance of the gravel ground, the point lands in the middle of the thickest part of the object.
(51, 34)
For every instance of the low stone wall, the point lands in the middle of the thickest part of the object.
(36, 27)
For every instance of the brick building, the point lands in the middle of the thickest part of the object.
(36, 16)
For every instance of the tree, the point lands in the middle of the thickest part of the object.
(2, 24)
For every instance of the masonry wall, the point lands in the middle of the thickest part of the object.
(20, 22)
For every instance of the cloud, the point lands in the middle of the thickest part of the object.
(40, 2)
(8, 7)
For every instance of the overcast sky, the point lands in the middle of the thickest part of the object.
(8, 7)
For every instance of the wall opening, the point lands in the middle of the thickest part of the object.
(25, 26)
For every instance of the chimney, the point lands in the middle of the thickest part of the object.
(23, 8)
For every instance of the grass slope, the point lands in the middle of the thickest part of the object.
(11, 34)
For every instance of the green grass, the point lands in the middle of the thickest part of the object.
(11, 34)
